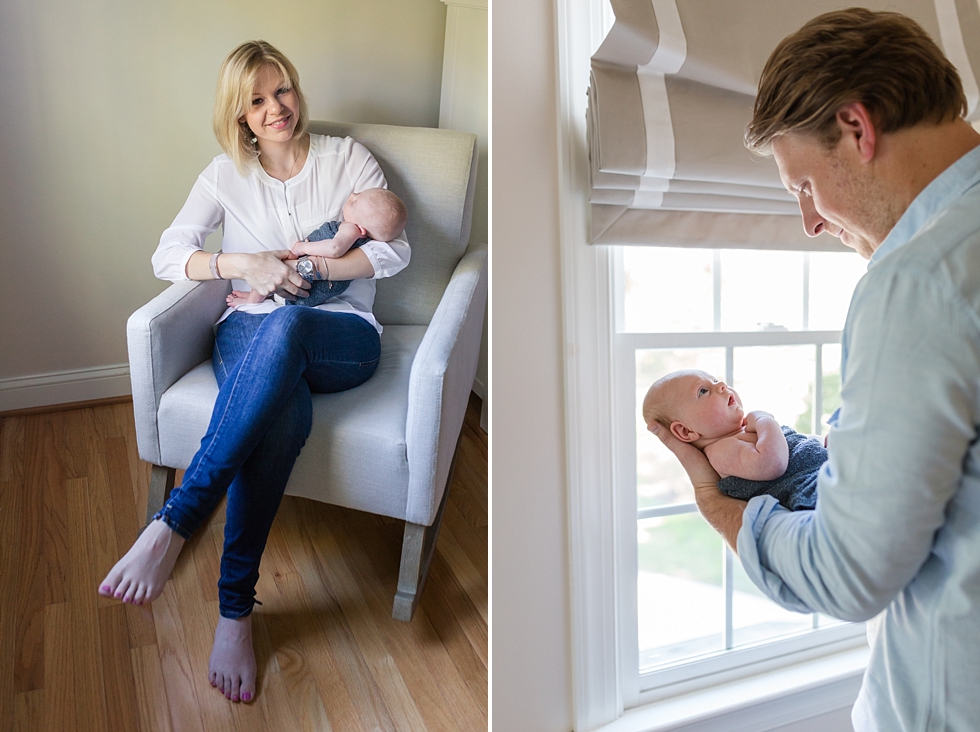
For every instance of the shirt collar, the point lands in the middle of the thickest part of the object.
(949, 185)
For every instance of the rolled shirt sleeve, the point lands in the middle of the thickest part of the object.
(388, 258)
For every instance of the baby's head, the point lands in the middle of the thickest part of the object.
(378, 212)
(693, 405)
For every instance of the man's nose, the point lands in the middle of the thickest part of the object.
(813, 222)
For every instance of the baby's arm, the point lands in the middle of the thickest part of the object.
(764, 459)
(334, 248)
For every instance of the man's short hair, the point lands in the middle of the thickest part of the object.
(883, 60)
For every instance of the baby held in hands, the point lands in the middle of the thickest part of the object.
(375, 213)
(751, 452)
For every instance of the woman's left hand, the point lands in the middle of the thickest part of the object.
(267, 273)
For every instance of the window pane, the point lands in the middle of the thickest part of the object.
(680, 601)
(660, 479)
(825, 621)
(778, 380)
(761, 290)
(756, 618)
(831, 384)
(667, 290)
(832, 279)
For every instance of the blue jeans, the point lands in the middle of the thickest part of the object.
(266, 365)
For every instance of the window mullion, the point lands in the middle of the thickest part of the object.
(716, 288)
(818, 390)
(806, 290)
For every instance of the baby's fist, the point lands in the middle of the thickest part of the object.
(299, 248)
(752, 418)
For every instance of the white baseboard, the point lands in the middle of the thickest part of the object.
(63, 387)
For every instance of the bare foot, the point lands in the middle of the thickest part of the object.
(232, 666)
(239, 297)
(140, 575)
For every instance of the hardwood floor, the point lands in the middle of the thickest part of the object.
(72, 491)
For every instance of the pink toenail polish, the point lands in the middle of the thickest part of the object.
(246, 696)
(234, 698)
(106, 588)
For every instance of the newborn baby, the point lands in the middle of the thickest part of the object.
(751, 452)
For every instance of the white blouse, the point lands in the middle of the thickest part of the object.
(259, 213)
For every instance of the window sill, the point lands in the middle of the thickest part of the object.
(762, 702)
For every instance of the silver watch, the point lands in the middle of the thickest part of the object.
(306, 268)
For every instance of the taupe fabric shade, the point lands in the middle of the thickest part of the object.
(672, 89)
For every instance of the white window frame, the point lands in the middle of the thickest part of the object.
(730, 662)
(602, 554)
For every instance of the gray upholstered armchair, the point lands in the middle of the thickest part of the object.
(387, 446)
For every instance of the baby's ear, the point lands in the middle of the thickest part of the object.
(362, 231)
(682, 433)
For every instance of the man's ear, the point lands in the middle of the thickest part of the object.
(682, 433)
(858, 129)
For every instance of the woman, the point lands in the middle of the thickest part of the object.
(273, 186)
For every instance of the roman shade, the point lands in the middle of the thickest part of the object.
(672, 89)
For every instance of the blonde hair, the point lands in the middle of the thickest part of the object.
(388, 215)
(236, 83)
(883, 60)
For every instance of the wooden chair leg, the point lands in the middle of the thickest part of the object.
(161, 483)
(418, 547)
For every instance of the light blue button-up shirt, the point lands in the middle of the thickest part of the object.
(897, 523)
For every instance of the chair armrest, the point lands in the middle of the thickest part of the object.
(168, 337)
(440, 383)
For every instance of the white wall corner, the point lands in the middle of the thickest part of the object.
(463, 105)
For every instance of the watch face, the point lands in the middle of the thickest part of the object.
(305, 268)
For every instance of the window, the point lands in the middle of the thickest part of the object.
(623, 309)
(768, 323)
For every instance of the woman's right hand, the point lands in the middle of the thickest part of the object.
(267, 273)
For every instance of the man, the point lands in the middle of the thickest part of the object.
(863, 115)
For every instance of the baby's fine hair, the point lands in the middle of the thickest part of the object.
(390, 216)
(655, 406)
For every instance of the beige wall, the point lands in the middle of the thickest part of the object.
(106, 114)
(531, 654)
(463, 106)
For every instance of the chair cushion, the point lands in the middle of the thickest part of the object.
(355, 455)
